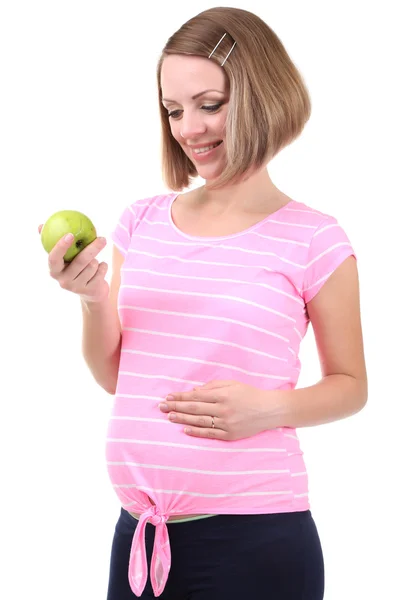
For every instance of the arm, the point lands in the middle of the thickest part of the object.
(335, 317)
(101, 338)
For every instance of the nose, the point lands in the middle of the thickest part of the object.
(192, 125)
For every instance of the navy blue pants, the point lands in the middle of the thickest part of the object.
(229, 557)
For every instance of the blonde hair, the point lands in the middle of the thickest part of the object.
(269, 103)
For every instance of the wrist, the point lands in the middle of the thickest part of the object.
(94, 306)
(275, 408)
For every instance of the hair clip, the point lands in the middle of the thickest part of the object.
(227, 56)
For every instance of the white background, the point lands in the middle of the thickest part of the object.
(79, 130)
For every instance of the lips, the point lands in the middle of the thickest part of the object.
(204, 149)
(205, 145)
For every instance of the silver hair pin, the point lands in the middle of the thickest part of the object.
(227, 56)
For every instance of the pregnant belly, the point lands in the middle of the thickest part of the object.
(151, 461)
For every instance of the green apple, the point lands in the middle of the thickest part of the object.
(68, 221)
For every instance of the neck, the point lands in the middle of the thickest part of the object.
(257, 192)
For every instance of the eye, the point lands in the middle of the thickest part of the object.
(211, 107)
(174, 114)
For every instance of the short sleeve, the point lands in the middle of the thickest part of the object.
(329, 247)
(122, 233)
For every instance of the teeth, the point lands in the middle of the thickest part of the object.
(205, 149)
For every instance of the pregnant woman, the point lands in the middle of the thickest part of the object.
(198, 335)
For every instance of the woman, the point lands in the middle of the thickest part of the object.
(198, 336)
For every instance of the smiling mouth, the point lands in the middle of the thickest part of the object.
(206, 148)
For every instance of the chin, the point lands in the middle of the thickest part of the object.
(208, 173)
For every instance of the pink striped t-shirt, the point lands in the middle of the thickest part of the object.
(196, 309)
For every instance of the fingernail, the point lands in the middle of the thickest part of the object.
(172, 416)
(69, 237)
(162, 406)
(170, 397)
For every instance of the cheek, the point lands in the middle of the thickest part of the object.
(219, 124)
(174, 127)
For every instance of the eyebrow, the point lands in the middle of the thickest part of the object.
(196, 95)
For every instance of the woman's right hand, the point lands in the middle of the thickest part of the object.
(84, 275)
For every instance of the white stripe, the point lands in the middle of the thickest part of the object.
(123, 227)
(192, 446)
(196, 316)
(325, 228)
(198, 261)
(197, 471)
(301, 495)
(204, 339)
(120, 248)
(220, 246)
(131, 208)
(154, 222)
(324, 278)
(139, 396)
(127, 505)
(292, 224)
(154, 376)
(145, 420)
(327, 251)
(303, 210)
(284, 240)
(302, 474)
(214, 279)
(293, 437)
(297, 332)
(204, 295)
(204, 362)
(143, 205)
(199, 495)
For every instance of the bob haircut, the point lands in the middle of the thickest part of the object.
(269, 103)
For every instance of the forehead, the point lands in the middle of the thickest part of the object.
(185, 76)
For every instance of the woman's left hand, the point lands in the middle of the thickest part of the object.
(224, 410)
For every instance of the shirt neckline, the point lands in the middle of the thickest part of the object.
(223, 237)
